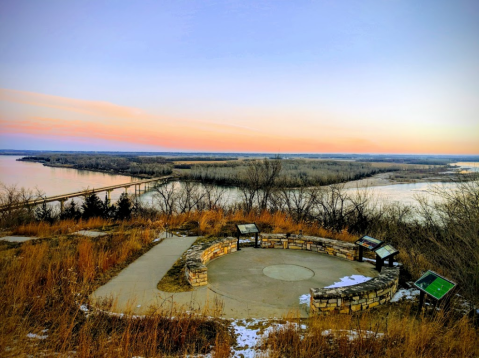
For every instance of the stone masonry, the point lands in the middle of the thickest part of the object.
(363, 296)
(332, 247)
(199, 255)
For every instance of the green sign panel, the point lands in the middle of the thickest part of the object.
(247, 229)
(369, 242)
(434, 285)
(386, 251)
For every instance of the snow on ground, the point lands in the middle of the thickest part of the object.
(373, 260)
(249, 333)
(407, 294)
(351, 334)
(349, 281)
(156, 240)
(305, 299)
(37, 336)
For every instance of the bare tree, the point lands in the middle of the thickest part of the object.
(14, 204)
(167, 197)
(258, 182)
(213, 196)
(189, 197)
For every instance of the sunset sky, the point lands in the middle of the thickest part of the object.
(385, 76)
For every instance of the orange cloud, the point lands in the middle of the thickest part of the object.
(93, 120)
(94, 108)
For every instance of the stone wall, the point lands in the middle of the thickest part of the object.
(199, 255)
(332, 247)
(363, 296)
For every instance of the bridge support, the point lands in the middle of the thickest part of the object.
(108, 193)
(62, 205)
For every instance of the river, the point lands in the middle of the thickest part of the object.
(55, 181)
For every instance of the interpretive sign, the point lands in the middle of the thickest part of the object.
(247, 229)
(369, 242)
(434, 285)
(385, 251)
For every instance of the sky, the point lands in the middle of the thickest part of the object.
(384, 76)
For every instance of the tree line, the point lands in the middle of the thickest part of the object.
(129, 165)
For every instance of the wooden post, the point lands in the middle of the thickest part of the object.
(361, 252)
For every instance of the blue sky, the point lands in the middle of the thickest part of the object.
(406, 71)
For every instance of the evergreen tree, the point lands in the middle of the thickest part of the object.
(71, 211)
(124, 207)
(92, 207)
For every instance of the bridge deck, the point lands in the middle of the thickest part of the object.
(91, 191)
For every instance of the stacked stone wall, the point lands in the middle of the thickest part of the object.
(363, 296)
(199, 255)
(331, 247)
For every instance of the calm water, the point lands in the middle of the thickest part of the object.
(54, 181)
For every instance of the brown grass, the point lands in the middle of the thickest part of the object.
(385, 333)
(43, 284)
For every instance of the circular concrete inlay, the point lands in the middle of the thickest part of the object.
(288, 272)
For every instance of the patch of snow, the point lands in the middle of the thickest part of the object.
(305, 299)
(138, 306)
(37, 336)
(245, 241)
(351, 334)
(156, 240)
(349, 281)
(373, 260)
(249, 333)
(84, 308)
(408, 294)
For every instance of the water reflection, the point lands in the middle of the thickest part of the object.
(55, 181)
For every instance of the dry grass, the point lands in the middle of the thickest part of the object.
(385, 333)
(219, 222)
(43, 284)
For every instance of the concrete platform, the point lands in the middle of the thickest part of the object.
(18, 238)
(275, 279)
(251, 283)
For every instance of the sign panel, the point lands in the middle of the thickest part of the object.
(386, 251)
(369, 242)
(434, 285)
(247, 229)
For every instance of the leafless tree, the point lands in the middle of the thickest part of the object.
(167, 196)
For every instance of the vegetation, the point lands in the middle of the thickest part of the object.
(294, 173)
(45, 284)
(130, 165)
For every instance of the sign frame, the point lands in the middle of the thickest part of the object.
(437, 276)
(360, 242)
(245, 229)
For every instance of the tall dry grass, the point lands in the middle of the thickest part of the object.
(217, 222)
(43, 285)
(391, 333)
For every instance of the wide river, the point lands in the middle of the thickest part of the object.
(54, 181)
